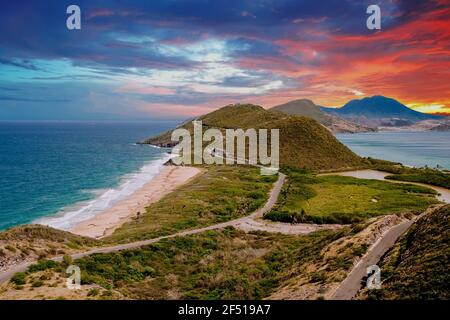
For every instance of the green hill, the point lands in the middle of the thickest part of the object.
(304, 143)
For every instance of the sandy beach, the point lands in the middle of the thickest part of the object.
(106, 222)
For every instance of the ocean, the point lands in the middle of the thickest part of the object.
(59, 173)
(416, 149)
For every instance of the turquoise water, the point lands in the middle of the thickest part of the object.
(70, 170)
(410, 148)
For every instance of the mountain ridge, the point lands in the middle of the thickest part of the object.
(380, 110)
(307, 108)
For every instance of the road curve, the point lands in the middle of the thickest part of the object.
(348, 288)
(352, 284)
(7, 274)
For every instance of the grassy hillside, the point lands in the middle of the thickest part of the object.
(304, 143)
(38, 242)
(417, 266)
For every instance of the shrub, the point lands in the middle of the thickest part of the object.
(359, 251)
(42, 265)
(67, 260)
(318, 276)
(37, 283)
(280, 216)
(20, 278)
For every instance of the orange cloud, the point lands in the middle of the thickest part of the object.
(409, 62)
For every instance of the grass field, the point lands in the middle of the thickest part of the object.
(222, 193)
(337, 199)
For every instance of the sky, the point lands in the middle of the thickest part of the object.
(169, 59)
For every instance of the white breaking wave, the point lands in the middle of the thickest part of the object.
(71, 216)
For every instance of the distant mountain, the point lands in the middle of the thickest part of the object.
(424, 125)
(380, 110)
(304, 143)
(307, 108)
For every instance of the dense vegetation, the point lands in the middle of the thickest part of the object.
(401, 173)
(417, 266)
(428, 176)
(304, 143)
(338, 199)
(222, 193)
(225, 264)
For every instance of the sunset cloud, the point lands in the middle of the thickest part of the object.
(182, 58)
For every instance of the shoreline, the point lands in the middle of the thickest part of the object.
(73, 214)
(106, 222)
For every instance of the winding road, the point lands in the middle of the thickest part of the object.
(246, 223)
(346, 290)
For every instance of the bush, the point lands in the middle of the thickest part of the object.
(318, 276)
(37, 283)
(42, 265)
(20, 278)
(280, 216)
(359, 251)
(67, 260)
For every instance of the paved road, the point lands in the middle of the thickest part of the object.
(348, 289)
(6, 275)
(352, 284)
